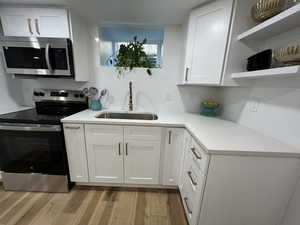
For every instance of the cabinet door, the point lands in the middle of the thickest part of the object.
(173, 156)
(76, 151)
(142, 155)
(208, 32)
(105, 153)
(52, 23)
(17, 22)
(186, 146)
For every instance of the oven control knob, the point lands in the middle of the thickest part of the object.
(76, 95)
(42, 94)
(36, 93)
(81, 95)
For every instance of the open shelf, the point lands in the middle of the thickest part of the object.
(278, 24)
(197, 84)
(289, 71)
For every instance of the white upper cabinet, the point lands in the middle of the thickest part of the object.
(75, 144)
(173, 156)
(35, 22)
(52, 23)
(207, 35)
(105, 153)
(16, 22)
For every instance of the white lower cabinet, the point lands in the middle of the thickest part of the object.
(215, 189)
(186, 146)
(118, 154)
(142, 155)
(173, 156)
(141, 162)
(192, 181)
(228, 189)
(105, 153)
(75, 144)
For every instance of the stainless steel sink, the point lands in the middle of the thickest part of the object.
(127, 116)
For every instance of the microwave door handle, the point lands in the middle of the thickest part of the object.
(47, 55)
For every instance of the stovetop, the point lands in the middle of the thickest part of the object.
(51, 105)
(30, 116)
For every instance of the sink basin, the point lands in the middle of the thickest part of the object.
(127, 116)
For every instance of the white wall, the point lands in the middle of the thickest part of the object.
(278, 113)
(10, 92)
(151, 93)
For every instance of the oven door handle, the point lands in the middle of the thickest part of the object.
(30, 127)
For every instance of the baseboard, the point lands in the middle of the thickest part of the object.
(125, 185)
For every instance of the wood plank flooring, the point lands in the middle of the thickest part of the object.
(92, 206)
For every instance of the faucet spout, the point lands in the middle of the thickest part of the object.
(130, 97)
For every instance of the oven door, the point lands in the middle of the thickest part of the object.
(46, 57)
(33, 149)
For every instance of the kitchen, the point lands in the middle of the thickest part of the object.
(241, 166)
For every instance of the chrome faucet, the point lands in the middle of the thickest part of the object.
(130, 97)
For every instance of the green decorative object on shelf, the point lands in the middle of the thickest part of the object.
(133, 55)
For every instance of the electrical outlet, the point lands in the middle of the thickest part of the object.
(254, 105)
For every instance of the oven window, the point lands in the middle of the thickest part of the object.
(25, 58)
(32, 152)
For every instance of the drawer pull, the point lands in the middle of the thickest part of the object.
(119, 148)
(192, 179)
(186, 74)
(187, 205)
(170, 136)
(195, 153)
(29, 26)
(37, 26)
(126, 149)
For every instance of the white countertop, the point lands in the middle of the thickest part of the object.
(216, 136)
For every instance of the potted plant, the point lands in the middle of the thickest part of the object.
(133, 55)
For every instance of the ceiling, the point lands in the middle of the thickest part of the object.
(156, 12)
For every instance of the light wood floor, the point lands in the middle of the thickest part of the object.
(92, 206)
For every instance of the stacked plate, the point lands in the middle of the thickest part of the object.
(288, 56)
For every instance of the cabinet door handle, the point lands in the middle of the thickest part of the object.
(72, 128)
(187, 205)
(170, 137)
(37, 26)
(191, 178)
(119, 148)
(186, 74)
(29, 26)
(195, 153)
(126, 148)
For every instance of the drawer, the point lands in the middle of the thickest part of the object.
(192, 194)
(194, 178)
(198, 156)
(142, 133)
(103, 133)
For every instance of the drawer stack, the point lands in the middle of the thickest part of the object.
(193, 180)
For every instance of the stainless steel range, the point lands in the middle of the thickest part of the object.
(33, 155)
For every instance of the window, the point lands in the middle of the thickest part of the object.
(113, 37)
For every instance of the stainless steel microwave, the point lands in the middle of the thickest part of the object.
(44, 57)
